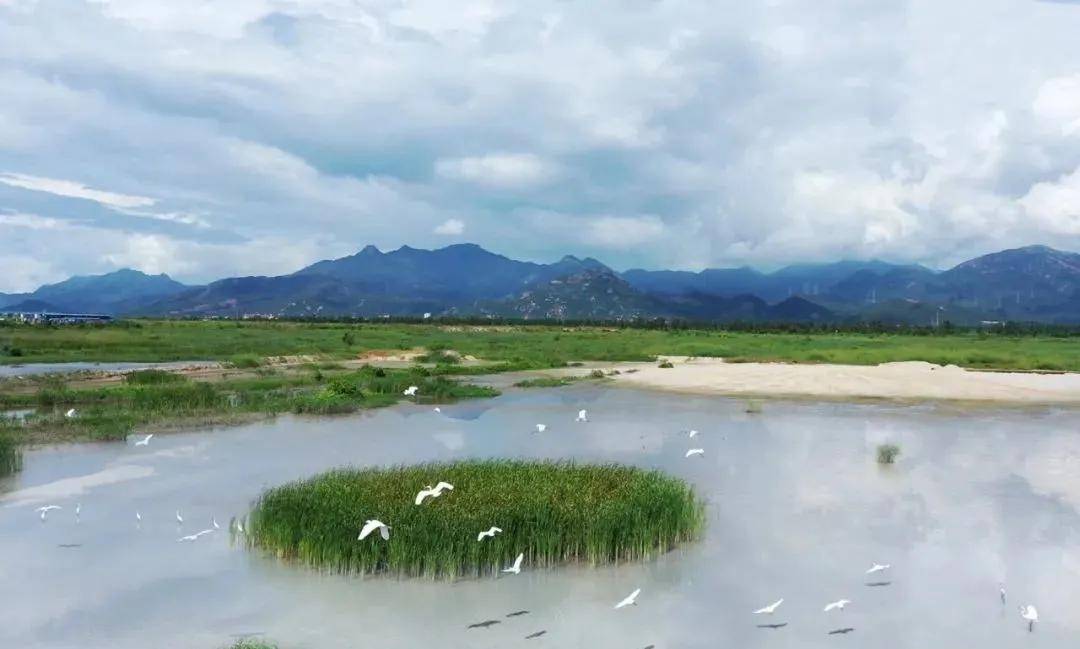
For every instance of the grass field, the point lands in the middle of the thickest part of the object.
(553, 512)
(153, 398)
(523, 346)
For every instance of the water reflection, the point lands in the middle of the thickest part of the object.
(797, 509)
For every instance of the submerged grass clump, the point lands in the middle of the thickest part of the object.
(10, 454)
(887, 453)
(553, 512)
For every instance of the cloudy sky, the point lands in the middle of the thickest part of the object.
(205, 139)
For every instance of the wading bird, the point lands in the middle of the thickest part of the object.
(410, 391)
(516, 568)
(372, 525)
(771, 608)
(491, 532)
(838, 604)
(630, 600)
(138, 518)
(179, 518)
(1001, 591)
(144, 441)
(46, 509)
(878, 567)
(193, 537)
(78, 510)
(541, 428)
(438, 409)
(1031, 615)
(433, 492)
(695, 451)
(70, 413)
(582, 415)
(214, 523)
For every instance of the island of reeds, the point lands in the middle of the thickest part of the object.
(553, 512)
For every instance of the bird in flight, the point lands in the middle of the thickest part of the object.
(771, 608)
(433, 492)
(516, 568)
(582, 415)
(214, 523)
(483, 625)
(1031, 615)
(138, 518)
(878, 567)
(693, 434)
(541, 428)
(535, 635)
(517, 613)
(878, 584)
(70, 413)
(193, 537)
(144, 441)
(46, 509)
(695, 451)
(778, 625)
(842, 631)
(629, 600)
(491, 532)
(838, 604)
(410, 391)
(372, 525)
(438, 409)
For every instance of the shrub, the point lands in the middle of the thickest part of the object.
(245, 361)
(553, 512)
(887, 453)
(152, 377)
(665, 365)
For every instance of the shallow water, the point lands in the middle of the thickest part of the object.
(797, 509)
(35, 369)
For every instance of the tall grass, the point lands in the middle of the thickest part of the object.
(10, 453)
(553, 512)
(152, 377)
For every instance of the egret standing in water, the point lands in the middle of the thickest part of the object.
(541, 428)
(1001, 591)
(179, 518)
(582, 415)
(1031, 615)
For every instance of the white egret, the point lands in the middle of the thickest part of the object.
(516, 568)
(239, 526)
(46, 509)
(438, 409)
(878, 567)
(1001, 591)
(695, 451)
(630, 600)
(491, 532)
(370, 526)
(214, 523)
(138, 518)
(179, 518)
(771, 608)
(193, 537)
(78, 509)
(1031, 615)
(144, 441)
(410, 391)
(582, 415)
(693, 434)
(838, 604)
(433, 492)
(541, 428)
(70, 413)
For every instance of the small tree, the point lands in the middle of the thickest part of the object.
(887, 453)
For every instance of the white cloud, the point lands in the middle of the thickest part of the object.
(623, 231)
(508, 170)
(73, 189)
(450, 227)
(1055, 205)
(1058, 102)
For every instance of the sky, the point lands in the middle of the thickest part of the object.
(207, 139)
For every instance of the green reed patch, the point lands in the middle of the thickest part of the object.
(553, 512)
(10, 454)
(153, 377)
(887, 453)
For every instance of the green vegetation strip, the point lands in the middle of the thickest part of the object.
(553, 512)
(525, 347)
(153, 399)
(10, 454)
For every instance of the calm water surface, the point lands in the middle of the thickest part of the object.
(797, 509)
(35, 369)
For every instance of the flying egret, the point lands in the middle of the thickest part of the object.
(878, 567)
(693, 434)
(433, 492)
(144, 441)
(370, 526)
(630, 600)
(541, 428)
(516, 568)
(70, 413)
(483, 625)
(695, 451)
(193, 537)
(1031, 615)
(582, 415)
(771, 608)
(138, 518)
(492, 531)
(179, 518)
(535, 635)
(517, 614)
(410, 391)
(214, 523)
(46, 509)
(838, 604)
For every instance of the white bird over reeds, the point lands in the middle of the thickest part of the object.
(372, 525)
(410, 391)
(179, 518)
(46, 509)
(193, 537)
(491, 532)
(878, 567)
(541, 428)
(70, 413)
(582, 415)
(1031, 615)
(695, 451)
(771, 608)
(838, 604)
(433, 492)
(144, 441)
(239, 526)
(629, 600)
(693, 434)
(516, 568)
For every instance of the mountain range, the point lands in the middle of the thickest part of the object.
(1034, 283)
